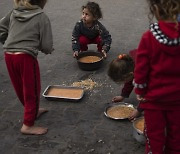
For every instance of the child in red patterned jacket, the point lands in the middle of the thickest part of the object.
(157, 78)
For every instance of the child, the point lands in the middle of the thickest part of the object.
(23, 32)
(121, 71)
(157, 78)
(90, 31)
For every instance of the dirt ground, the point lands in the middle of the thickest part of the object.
(75, 127)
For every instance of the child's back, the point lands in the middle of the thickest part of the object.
(24, 32)
(28, 31)
(157, 78)
(162, 50)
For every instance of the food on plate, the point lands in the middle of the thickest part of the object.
(139, 124)
(89, 59)
(65, 93)
(119, 112)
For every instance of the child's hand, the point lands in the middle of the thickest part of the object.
(134, 115)
(104, 53)
(140, 98)
(75, 54)
(118, 99)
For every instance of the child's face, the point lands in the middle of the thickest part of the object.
(87, 17)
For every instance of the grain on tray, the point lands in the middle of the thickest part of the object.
(88, 84)
(139, 124)
(65, 93)
(120, 112)
(89, 59)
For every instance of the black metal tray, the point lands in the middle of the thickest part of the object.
(90, 66)
(52, 97)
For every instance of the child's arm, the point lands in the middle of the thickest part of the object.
(46, 38)
(135, 114)
(126, 91)
(117, 99)
(75, 39)
(141, 68)
(4, 27)
(106, 38)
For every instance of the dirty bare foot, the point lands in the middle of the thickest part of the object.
(41, 111)
(33, 130)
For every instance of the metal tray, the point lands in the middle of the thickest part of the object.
(52, 97)
(90, 66)
(117, 104)
(138, 134)
(134, 124)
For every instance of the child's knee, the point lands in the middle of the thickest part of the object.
(83, 40)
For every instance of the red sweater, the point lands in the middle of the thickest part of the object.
(157, 67)
(128, 86)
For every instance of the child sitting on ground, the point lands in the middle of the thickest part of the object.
(121, 71)
(90, 31)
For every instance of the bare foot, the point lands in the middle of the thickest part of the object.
(41, 111)
(33, 130)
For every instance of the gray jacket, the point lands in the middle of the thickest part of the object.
(26, 30)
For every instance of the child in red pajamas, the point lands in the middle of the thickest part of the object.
(157, 78)
(121, 71)
(24, 32)
(90, 31)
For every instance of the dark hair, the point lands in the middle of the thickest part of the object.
(94, 9)
(120, 69)
(34, 2)
(30, 3)
(168, 9)
(40, 3)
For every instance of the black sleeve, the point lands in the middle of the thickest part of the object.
(127, 89)
(75, 37)
(106, 38)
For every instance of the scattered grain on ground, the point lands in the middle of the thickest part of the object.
(87, 84)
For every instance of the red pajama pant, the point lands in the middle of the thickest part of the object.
(162, 129)
(84, 41)
(25, 76)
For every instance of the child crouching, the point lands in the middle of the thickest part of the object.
(121, 71)
(90, 31)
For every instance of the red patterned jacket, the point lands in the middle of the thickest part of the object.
(157, 67)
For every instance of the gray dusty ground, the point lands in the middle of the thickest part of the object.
(81, 127)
